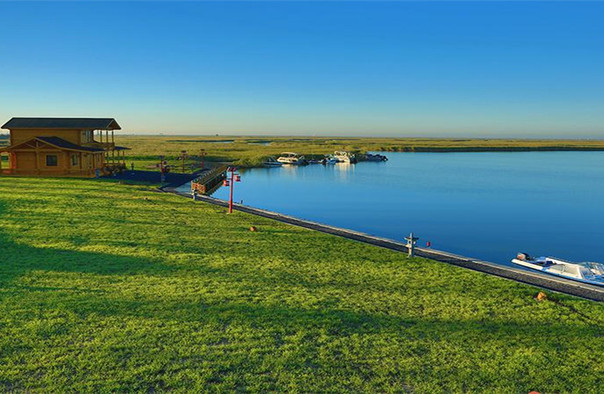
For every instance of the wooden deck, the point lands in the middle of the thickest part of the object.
(210, 180)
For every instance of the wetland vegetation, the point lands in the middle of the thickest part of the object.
(252, 151)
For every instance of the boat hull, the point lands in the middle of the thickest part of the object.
(537, 267)
(289, 161)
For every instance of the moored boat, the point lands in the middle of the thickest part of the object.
(271, 162)
(291, 158)
(344, 157)
(329, 159)
(587, 272)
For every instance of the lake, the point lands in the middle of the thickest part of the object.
(481, 205)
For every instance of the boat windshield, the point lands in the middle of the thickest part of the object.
(595, 268)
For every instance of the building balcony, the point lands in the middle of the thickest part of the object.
(103, 145)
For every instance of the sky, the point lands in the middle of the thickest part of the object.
(406, 68)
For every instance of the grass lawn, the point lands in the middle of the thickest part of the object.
(108, 287)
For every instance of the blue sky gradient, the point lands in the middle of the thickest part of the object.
(517, 69)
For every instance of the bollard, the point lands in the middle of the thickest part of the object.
(411, 241)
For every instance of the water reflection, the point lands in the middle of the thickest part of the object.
(485, 205)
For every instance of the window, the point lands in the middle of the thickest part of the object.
(86, 135)
(52, 160)
(74, 160)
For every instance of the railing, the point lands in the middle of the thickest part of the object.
(96, 144)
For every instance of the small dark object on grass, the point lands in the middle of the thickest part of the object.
(541, 296)
(253, 229)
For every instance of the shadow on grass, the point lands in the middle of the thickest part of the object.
(17, 259)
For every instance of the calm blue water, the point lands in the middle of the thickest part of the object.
(482, 205)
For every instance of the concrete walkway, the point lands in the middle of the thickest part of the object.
(173, 179)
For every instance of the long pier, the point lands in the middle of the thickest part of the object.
(544, 281)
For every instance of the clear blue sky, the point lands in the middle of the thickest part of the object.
(533, 69)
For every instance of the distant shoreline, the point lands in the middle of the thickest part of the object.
(253, 151)
(495, 149)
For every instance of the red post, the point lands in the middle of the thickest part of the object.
(234, 178)
(183, 155)
(232, 170)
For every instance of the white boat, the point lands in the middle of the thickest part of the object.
(329, 159)
(587, 272)
(271, 162)
(291, 158)
(344, 157)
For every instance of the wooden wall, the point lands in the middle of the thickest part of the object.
(22, 135)
(34, 163)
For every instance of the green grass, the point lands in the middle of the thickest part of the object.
(246, 151)
(107, 287)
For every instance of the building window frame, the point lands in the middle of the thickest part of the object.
(87, 136)
(74, 159)
(52, 160)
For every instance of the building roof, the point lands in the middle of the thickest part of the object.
(56, 142)
(62, 123)
(61, 143)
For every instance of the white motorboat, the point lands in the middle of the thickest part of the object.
(271, 162)
(291, 158)
(329, 159)
(344, 157)
(587, 272)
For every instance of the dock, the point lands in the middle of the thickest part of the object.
(171, 179)
(207, 182)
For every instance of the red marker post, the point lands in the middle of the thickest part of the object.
(231, 182)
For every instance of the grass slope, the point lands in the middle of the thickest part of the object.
(252, 151)
(107, 287)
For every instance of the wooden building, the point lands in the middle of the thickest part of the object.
(61, 147)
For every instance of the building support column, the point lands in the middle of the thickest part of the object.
(37, 161)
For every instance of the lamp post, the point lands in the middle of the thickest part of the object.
(202, 153)
(231, 182)
(162, 169)
(183, 156)
(411, 242)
